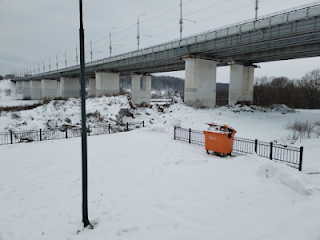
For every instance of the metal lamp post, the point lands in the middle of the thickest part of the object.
(85, 218)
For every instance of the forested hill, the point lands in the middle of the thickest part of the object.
(159, 83)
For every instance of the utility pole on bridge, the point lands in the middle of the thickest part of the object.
(138, 31)
(181, 21)
(256, 9)
(110, 46)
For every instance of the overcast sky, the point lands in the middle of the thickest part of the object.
(34, 31)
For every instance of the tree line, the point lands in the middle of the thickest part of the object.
(158, 83)
(295, 93)
(165, 83)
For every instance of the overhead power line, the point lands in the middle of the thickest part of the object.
(65, 56)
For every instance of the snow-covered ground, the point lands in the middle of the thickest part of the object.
(145, 185)
(7, 90)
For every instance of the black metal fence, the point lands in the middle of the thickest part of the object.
(292, 156)
(51, 134)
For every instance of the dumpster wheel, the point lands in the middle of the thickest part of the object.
(220, 154)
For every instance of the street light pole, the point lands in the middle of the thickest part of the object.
(85, 218)
(138, 32)
(110, 47)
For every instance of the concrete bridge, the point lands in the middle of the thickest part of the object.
(290, 34)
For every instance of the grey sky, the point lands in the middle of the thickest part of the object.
(34, 31)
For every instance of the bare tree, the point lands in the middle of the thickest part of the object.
(310, 89)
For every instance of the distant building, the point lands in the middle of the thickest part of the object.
(9, 76)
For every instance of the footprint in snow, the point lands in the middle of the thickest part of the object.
(128, 230)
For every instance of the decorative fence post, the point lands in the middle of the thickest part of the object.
(109, 127)
(300, 162)
(127, 126)
(256, 145)
(189, 135)
(271, 147)
(142, 123)
(11, 136)
(40, 132)
(174, 133)
(89, 130)
(66, 132)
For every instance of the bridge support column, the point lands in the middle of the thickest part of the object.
(140, 94)
(92, 87)
(69, 87)
(241, 84)
(200, 82)
(107, 83)
(26, 90)
(19, 90)
(58, 88)
(49, 88)
(35, 90)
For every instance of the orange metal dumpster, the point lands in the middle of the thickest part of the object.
(219, 139)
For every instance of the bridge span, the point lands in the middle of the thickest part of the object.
(289, 34)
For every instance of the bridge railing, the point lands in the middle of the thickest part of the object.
(251, 20)
(292, 156)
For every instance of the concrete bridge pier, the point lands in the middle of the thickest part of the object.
(200, 82)
(35, 90)
(26, 90)
(69, 87)
(107, 83)
(19, 90)
(92, 87)
(241, 84)
(58, 93)
(141, 94)
(49, 88)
